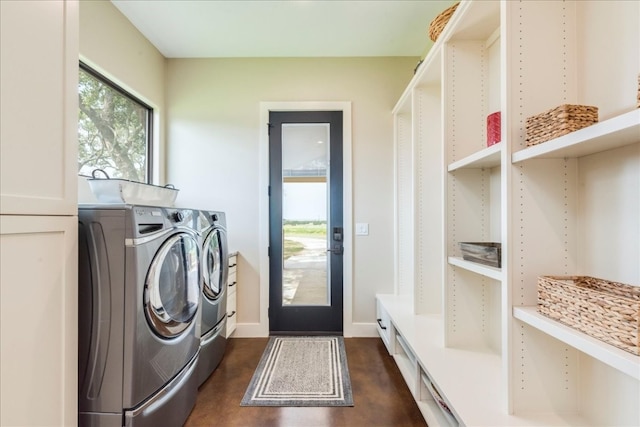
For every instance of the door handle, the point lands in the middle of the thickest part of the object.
(336, 250)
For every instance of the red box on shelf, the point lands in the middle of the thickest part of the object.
(493, 128)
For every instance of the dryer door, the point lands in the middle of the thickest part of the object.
(215, 268)
(171, 293)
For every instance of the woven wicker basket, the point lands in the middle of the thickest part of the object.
(440, 21)
(559, 121)
(605, 310)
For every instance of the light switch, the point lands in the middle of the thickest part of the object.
(362, 229)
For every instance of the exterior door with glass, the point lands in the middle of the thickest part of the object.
(306, 229)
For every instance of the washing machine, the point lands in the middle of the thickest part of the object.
(139, 294)
(211, 227)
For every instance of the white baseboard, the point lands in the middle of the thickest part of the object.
(250, 330)
(256, 330)
(361, 330)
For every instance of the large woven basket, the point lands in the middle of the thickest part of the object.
(608, 311)
(440, 21)
(559, 121)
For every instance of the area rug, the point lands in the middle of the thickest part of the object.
(301, 371)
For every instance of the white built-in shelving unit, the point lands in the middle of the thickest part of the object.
(468, 335)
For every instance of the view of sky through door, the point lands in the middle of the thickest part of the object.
(305, 161)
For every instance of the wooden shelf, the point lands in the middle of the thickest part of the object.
(487, 158)
(613, 133)
(484, 270)
(478, 402)
(473, 20)
(605, 353)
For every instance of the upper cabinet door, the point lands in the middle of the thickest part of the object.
(39, 109)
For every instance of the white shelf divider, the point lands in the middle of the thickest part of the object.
(607, 354)
(483, 270)
(613, 133)
(486, 158)
(443, 418)
(432, 413)
(407, 370)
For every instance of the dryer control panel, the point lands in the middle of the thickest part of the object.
(180, 217)
(147, 212)
(147, 220)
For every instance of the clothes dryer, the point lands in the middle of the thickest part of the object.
(211, 226)
(139, 293)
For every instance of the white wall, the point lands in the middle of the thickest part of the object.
(111, 45)
(207, 116)
(213, 112)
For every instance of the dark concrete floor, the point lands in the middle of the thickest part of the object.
(381, 397)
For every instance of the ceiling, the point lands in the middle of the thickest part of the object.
(284, 28)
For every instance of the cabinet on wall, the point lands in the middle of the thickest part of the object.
(38, 207)
(38, 310)
(564, 207)
(39, 112)
(232, 287)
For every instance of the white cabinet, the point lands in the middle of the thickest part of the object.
(39, 107)
(564, 207)
(38, 212)
(400, 330)
(38, 320)
(232, 287)
(384, 326)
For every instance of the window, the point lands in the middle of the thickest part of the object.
(114, 130)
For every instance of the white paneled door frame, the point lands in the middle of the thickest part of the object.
(262, 328)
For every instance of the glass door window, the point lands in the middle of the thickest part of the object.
(305, 155)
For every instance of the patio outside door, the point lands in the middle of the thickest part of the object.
(305, 219)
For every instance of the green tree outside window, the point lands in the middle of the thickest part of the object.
(113, 130)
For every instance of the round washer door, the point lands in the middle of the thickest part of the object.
(172, 290)
(214, 263)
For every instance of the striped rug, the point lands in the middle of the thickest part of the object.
(301, 371)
